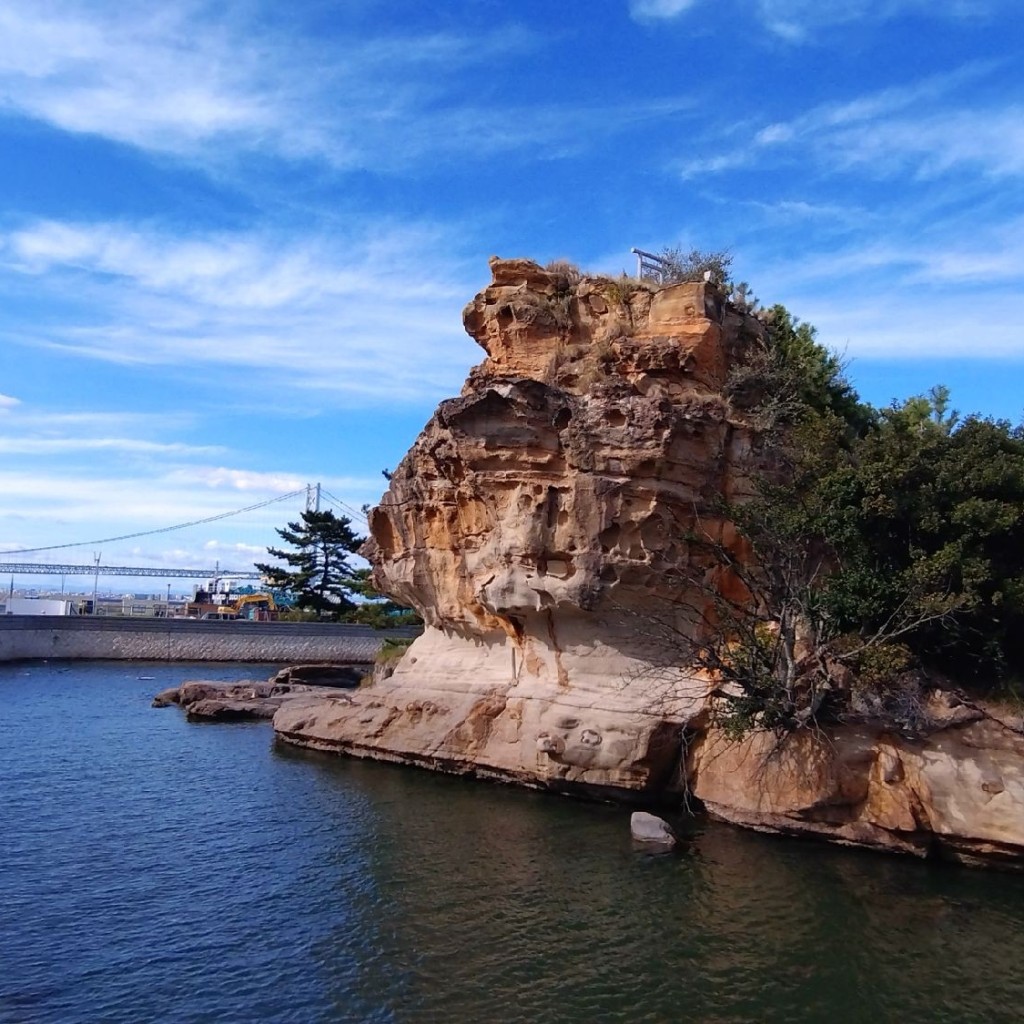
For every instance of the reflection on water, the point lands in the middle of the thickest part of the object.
(160, 871)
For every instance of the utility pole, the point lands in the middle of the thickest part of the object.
(96, 582)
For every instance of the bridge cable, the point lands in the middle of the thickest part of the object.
(164, 529)
(348, 508)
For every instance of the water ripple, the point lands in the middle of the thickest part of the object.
(156, 871)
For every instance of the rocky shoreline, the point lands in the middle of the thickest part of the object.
(255, 699)
(540, 523)
(954, 793)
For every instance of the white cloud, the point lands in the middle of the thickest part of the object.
(652, 10)
(987, 141)
(69, 445)
(224, 478)
(7, 403)
(227, 478)
(774, 133)
(911, 129)
(221, 548)
(214, 88)
(340, 314)
(799, 21)
(895, 325)
(136, 76)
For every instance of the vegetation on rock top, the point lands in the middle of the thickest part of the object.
(883, 548)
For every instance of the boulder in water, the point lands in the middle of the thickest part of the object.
(651, 830)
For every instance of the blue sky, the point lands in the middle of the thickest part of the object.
(236, 238)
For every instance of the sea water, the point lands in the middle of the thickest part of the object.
(153, 870)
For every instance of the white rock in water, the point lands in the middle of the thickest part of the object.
(649, 828)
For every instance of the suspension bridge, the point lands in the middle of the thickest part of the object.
(314, 497)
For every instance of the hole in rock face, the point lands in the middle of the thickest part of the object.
(653, 534)
(609, 537)
(384, 534)
(562, 419)
(553, 501)
(556, 564)
(616, 418)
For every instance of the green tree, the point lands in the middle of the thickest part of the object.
(873, 544)
(939, 514)
(317, 572)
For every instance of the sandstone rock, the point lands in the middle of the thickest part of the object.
(650, 830)
(539, 525)
(231, 710)
(322, 675)
(534, 522)
(214, 700)
(193, 690)
(957, 793)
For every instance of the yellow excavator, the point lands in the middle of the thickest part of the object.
(251, 606)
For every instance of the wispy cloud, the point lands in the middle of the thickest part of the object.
(212, 89)
(176, 78)
(912, 129)
(315, 313)
(653, 10)
(798, 21)
(70, 445)
(81, 508)
(231, 479)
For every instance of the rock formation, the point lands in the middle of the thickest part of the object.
(648, 830)
(533, 523)
(956, 791)
(538, 524)
(216, 701)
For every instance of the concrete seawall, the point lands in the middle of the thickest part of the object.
(24, 637)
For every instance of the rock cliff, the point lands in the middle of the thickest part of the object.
(538, 521)
(535, 519)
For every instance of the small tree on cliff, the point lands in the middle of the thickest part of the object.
(317, 572)
(679, 264)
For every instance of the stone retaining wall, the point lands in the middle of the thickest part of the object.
(24, 637)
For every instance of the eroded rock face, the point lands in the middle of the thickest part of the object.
(956, 793)
(534, 522)
(539, 525)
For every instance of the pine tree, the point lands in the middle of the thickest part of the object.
(320, 577)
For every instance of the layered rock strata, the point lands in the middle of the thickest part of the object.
(539, 525)
(956, 791)
(534, 523)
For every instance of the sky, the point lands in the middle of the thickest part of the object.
(236, 238)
